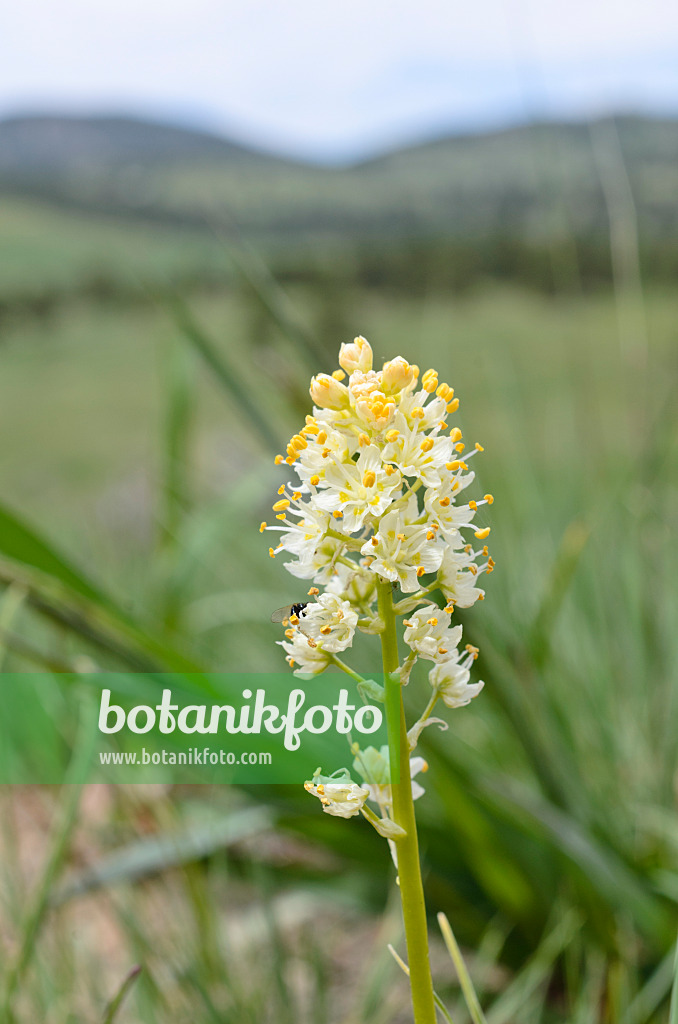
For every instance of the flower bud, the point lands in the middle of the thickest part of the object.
(396, 375)
(328, 393)
(356, 356)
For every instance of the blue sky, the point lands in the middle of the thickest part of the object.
(336, 80)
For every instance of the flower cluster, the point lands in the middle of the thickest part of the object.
(376, 491)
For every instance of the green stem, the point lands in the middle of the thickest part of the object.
(334, 660)
(409, 870)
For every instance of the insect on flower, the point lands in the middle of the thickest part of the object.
(289, 611)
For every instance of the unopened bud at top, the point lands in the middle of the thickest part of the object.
(328, 393)
(356, 356)
(396, 375)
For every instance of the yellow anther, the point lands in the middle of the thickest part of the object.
(290, 460)
(424, 767)
(481, 596)
(363, 440)
(444, 502)
(431, 535)
(459, 447)
(262, 527)
(325, 630)
(449, 608)
(417, 413)
(446, 392)
(473, 569)
(482, 534)
(281, 489)
(271, 552)
(473, 505)
(485, 551)
(415, 369)
(442, 425)
(374, 541)
(321, 789)
(452, 466)
(326, 453)
(315, 480)
(391, 435)
(463, 465)
(491, 562)
(400, 536)
(489, 499)
(468, 548)
(456, 485)
(311, 642)
(421, 570)
(322, 437)
(432, 622)
(278, 459)
(281, 515)
(455, 434)
(289, 633)
(427, 444)
(338, 374)
(337, 514)
(479, 447)
(390, 470)
(369, 478)
(313, 592)
(296, 495)
(282, 504)
(453, 406)
(299, 442)
(430, 385)
(442, 650)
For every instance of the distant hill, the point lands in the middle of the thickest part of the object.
(44, 145)
(532, 182)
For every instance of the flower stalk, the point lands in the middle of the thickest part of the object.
(409, 867)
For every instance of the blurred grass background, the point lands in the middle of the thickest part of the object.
(160, 316)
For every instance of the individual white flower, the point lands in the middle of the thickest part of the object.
(356, 585)
(457, 578)
(403, 551)
(374, 767)
(451, 679)
(358, 489)
(439, 502)
(325, 448)
(422, 411)
(302, 537)
(330, 622)
(416, 454)
(304, 654)
(338, 794)
(427, 633)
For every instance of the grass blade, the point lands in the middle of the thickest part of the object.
(22, 543)
(673, 1012)
(222, 370)
(116, 1002)
(39, 906)
(474, 1007)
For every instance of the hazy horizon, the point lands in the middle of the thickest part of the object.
(325, 83)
